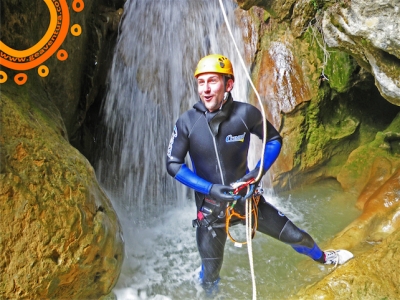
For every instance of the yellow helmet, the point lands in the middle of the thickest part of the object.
(214, 63)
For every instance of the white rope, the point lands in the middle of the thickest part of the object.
(249, 200)
(254, 88)
(250, 245)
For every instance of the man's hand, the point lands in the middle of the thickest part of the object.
(223, 193)
(242, 186)
(251, 175)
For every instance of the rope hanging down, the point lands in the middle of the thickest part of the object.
(249, 201)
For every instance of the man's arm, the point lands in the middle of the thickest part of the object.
(271, 153)
(177, 149)
(192, 180)
(272, 147)
(176, 167)
(272, 150)
(273, 142)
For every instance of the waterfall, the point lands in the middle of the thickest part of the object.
(149, 85)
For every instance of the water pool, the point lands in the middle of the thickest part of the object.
(162, 260)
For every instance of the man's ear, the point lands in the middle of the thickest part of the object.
(229, 85)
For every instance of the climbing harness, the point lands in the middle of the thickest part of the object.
(253, 194)
(231, 213)
(257, 179)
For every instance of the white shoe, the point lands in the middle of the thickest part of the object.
(337, 257)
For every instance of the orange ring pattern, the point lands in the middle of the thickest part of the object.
(52, 40)
(76, 30)
(62, 55)
(20, 78)
(3, 76)
(43, 71)
(78, 5)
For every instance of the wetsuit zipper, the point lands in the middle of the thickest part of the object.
(216, 153)
(219, 211)
(219, 162)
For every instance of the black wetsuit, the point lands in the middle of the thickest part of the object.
(218, 146)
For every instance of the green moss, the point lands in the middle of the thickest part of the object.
(339, 69)
(266, 16)
(315, 54)
(337, 66)
(315, 4)
(35, 103)
(395, 125)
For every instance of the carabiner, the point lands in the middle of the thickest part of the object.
(242, 185)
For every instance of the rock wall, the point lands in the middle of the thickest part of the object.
(59, 235)
(370, 32)
(324, 100)
(372, 274)
(329, 75)
(76, 84)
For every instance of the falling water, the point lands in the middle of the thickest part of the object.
(150, 84)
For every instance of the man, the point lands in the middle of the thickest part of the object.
(216, 134)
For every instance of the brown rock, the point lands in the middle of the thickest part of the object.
(371, 275)
(375, 240)
(59, 235)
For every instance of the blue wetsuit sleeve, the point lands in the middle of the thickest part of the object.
(190, 179)
(176, 167)
(272, 150)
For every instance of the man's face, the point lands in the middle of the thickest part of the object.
(210, 87)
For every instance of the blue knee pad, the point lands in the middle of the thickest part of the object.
(315, 252)
(211, 288)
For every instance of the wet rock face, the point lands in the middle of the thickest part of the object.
(59, 235)
(75, 83)
(371, 275)
(279, 10)
(336, 124)
(323, 99)
(370, 31)
(374, 238)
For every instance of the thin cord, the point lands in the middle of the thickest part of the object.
(248, 201)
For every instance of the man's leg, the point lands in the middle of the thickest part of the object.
(273, 223)
(211, 251)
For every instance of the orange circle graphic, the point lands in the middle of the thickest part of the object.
(20, 78)
(43, 71)
(78, 5)
(46, 47)
(76, 30)
(3, 77)
(62, 55)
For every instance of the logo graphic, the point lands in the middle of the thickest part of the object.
(171, 141)
(35, 56)
(238, 138)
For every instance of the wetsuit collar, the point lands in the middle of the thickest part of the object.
(216, 118)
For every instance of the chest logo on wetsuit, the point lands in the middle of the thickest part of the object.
(235, 138)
